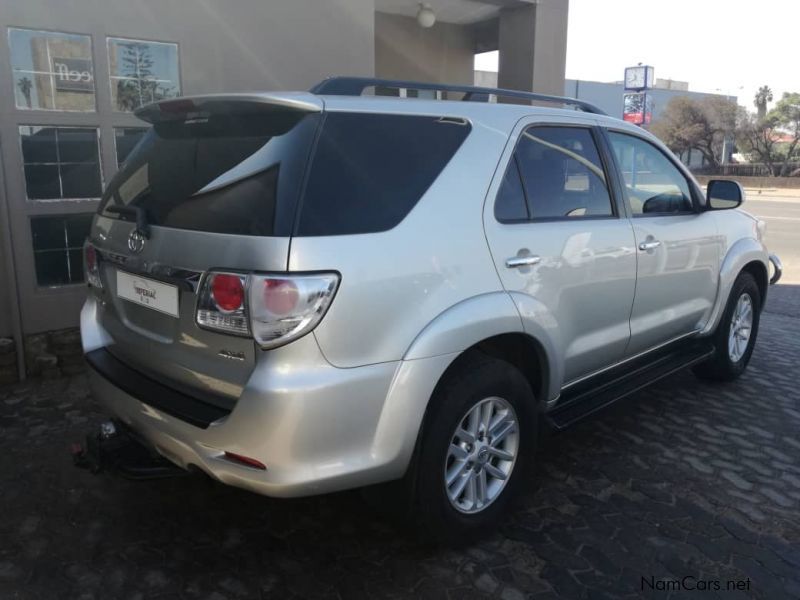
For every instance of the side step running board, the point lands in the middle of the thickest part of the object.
(599, 392)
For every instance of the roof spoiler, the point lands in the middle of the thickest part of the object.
(180, 109)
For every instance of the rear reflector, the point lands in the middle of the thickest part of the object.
(245, 461)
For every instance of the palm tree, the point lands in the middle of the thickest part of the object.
(763, 96)
(25, 85)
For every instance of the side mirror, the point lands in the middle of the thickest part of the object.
(723, 194)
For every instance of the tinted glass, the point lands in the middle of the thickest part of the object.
(142, 72)
(225, 174)
(125, 139)
(61, 162)
(653, 184)
(562, 173)
(52, 71)
(370, 170)
(510, 203)
(57, 248)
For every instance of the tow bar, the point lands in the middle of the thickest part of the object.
(117, 449)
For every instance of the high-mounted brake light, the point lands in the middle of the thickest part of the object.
(274, 309)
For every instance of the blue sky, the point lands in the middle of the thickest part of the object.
(724, 46)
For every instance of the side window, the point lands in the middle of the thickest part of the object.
(653, 184)
(510, 206)
(562, 173)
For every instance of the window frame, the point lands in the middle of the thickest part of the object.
(612, 183)
(113, 78)
(693, 191)
(70, 199)
(33, 110)
(39, 287)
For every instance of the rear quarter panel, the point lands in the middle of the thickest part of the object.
(396, 282)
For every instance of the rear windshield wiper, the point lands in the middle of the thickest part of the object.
(135, 211)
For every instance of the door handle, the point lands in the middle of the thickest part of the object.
(522, 261)
(645, 246)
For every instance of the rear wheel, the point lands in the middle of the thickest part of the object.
(478, 435)
(735, 336)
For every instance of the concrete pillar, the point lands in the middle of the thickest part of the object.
(533, 47)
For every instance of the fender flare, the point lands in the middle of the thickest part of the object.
(741, 253)
(440, 342)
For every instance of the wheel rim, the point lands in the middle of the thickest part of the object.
(741, 328)
(482, 453)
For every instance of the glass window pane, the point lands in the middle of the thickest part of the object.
(78, 227)
(42, 182)
(52, 267)
(653, 184)
(58, 247)
(142, 72)
(61, 162)
(51, 70)
(125, 138)
(562, 173)
(510, 204)
(48, 233)
(77, 145)
(38, 144)
(80, 180)
(370, 170)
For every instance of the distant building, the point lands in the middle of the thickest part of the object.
(608, 96)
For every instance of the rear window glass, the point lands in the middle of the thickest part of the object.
(370, 170)
(237, 174)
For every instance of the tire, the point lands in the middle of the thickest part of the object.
(729, 361)
(490, 385)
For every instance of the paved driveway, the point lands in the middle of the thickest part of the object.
(684, 482)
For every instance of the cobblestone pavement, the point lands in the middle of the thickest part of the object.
(685, 479)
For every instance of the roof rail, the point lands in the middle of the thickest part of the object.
(355, 86)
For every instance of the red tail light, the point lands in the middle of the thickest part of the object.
(91, 266)
(245, 460)
(273, 309)
(227, 292)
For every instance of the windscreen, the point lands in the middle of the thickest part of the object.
(223, 173)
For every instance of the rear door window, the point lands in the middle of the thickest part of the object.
(237, 173)
(370, 170)
(562, 174)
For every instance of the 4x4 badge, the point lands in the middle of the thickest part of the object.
(136, 241)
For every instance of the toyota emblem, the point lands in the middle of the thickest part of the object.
(136, 241)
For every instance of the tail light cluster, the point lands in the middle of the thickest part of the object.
(273, 309)
(91, 266)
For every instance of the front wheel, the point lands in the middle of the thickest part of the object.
(478, 436)
(735, 336)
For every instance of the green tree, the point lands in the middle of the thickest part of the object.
(762, 98)
(759, 138)
(702, 125)
(140, 85)
(787, 116)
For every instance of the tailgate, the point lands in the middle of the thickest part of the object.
(212, 185)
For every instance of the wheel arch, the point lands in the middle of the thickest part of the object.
(747, 254)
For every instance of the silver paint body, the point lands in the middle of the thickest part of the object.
(342, 406)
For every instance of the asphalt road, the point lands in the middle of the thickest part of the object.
(781, 210)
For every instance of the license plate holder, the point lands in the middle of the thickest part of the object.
(152, 294)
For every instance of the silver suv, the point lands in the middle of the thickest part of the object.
(298, 293)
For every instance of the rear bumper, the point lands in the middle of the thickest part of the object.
(317, 428)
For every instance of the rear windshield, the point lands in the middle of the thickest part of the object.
(242, 174)
(370, 170)
(236, 174)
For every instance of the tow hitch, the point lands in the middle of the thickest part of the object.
(116, 448)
